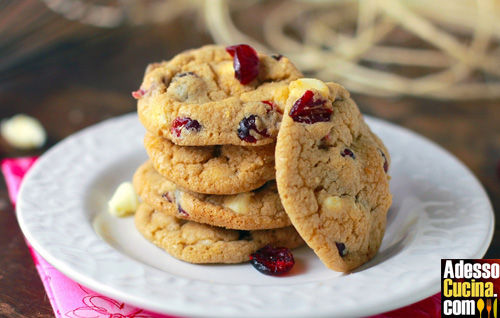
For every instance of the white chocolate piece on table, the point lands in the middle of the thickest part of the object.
(23, 132)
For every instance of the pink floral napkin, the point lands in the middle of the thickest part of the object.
(70, 299)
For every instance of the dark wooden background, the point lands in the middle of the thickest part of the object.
(87, 75)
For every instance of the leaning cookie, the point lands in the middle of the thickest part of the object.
(200, 243)
(223, 169)
(331, 175)
(254, 210)
(196, 99)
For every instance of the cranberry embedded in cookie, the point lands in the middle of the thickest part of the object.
(169, 196)
(310, 110)
(248, 129)
(187, 123)
(246, 62)
(341, 248)
(138, 93)
(182, 213)
(386, 164)
(272, 107)
(348, 152)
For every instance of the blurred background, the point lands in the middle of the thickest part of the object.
(431, 66)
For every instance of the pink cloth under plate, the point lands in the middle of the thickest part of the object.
(70, 299)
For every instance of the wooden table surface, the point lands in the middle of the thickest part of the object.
(88, 77)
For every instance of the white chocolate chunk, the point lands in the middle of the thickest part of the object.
(206, 242)
(23, 132)
(156, 112)
(124, 201)
(332, 203)
(298, 87)
(238, 203)
(280, 97)
(226, 68)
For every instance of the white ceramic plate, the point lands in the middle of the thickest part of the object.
(440, 211)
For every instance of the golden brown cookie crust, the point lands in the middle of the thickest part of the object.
(255, 210)
(200, 243)
(219, 170)
(337, 202)
(200, 85)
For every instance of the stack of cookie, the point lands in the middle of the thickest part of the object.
(245, 153)
(209, 192)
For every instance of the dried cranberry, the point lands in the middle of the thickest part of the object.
(341, 248)
(386, 164)
(270, 103)
(277, 57)
(138, 93)
(246, 125)
(272, 260)
(348, 152)
(245, 62)
(273, 106)
(310, 111)
(182, 212)
(185, 122)
(168, 196)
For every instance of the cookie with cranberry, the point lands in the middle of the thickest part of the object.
(254, 210)
(332, 175)
(225, 169)
(216, 96)
(201, 243)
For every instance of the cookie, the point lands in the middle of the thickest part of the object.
(258, 209)
(332, 175)
(223, 169)
(200, 243)
(195, 99)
